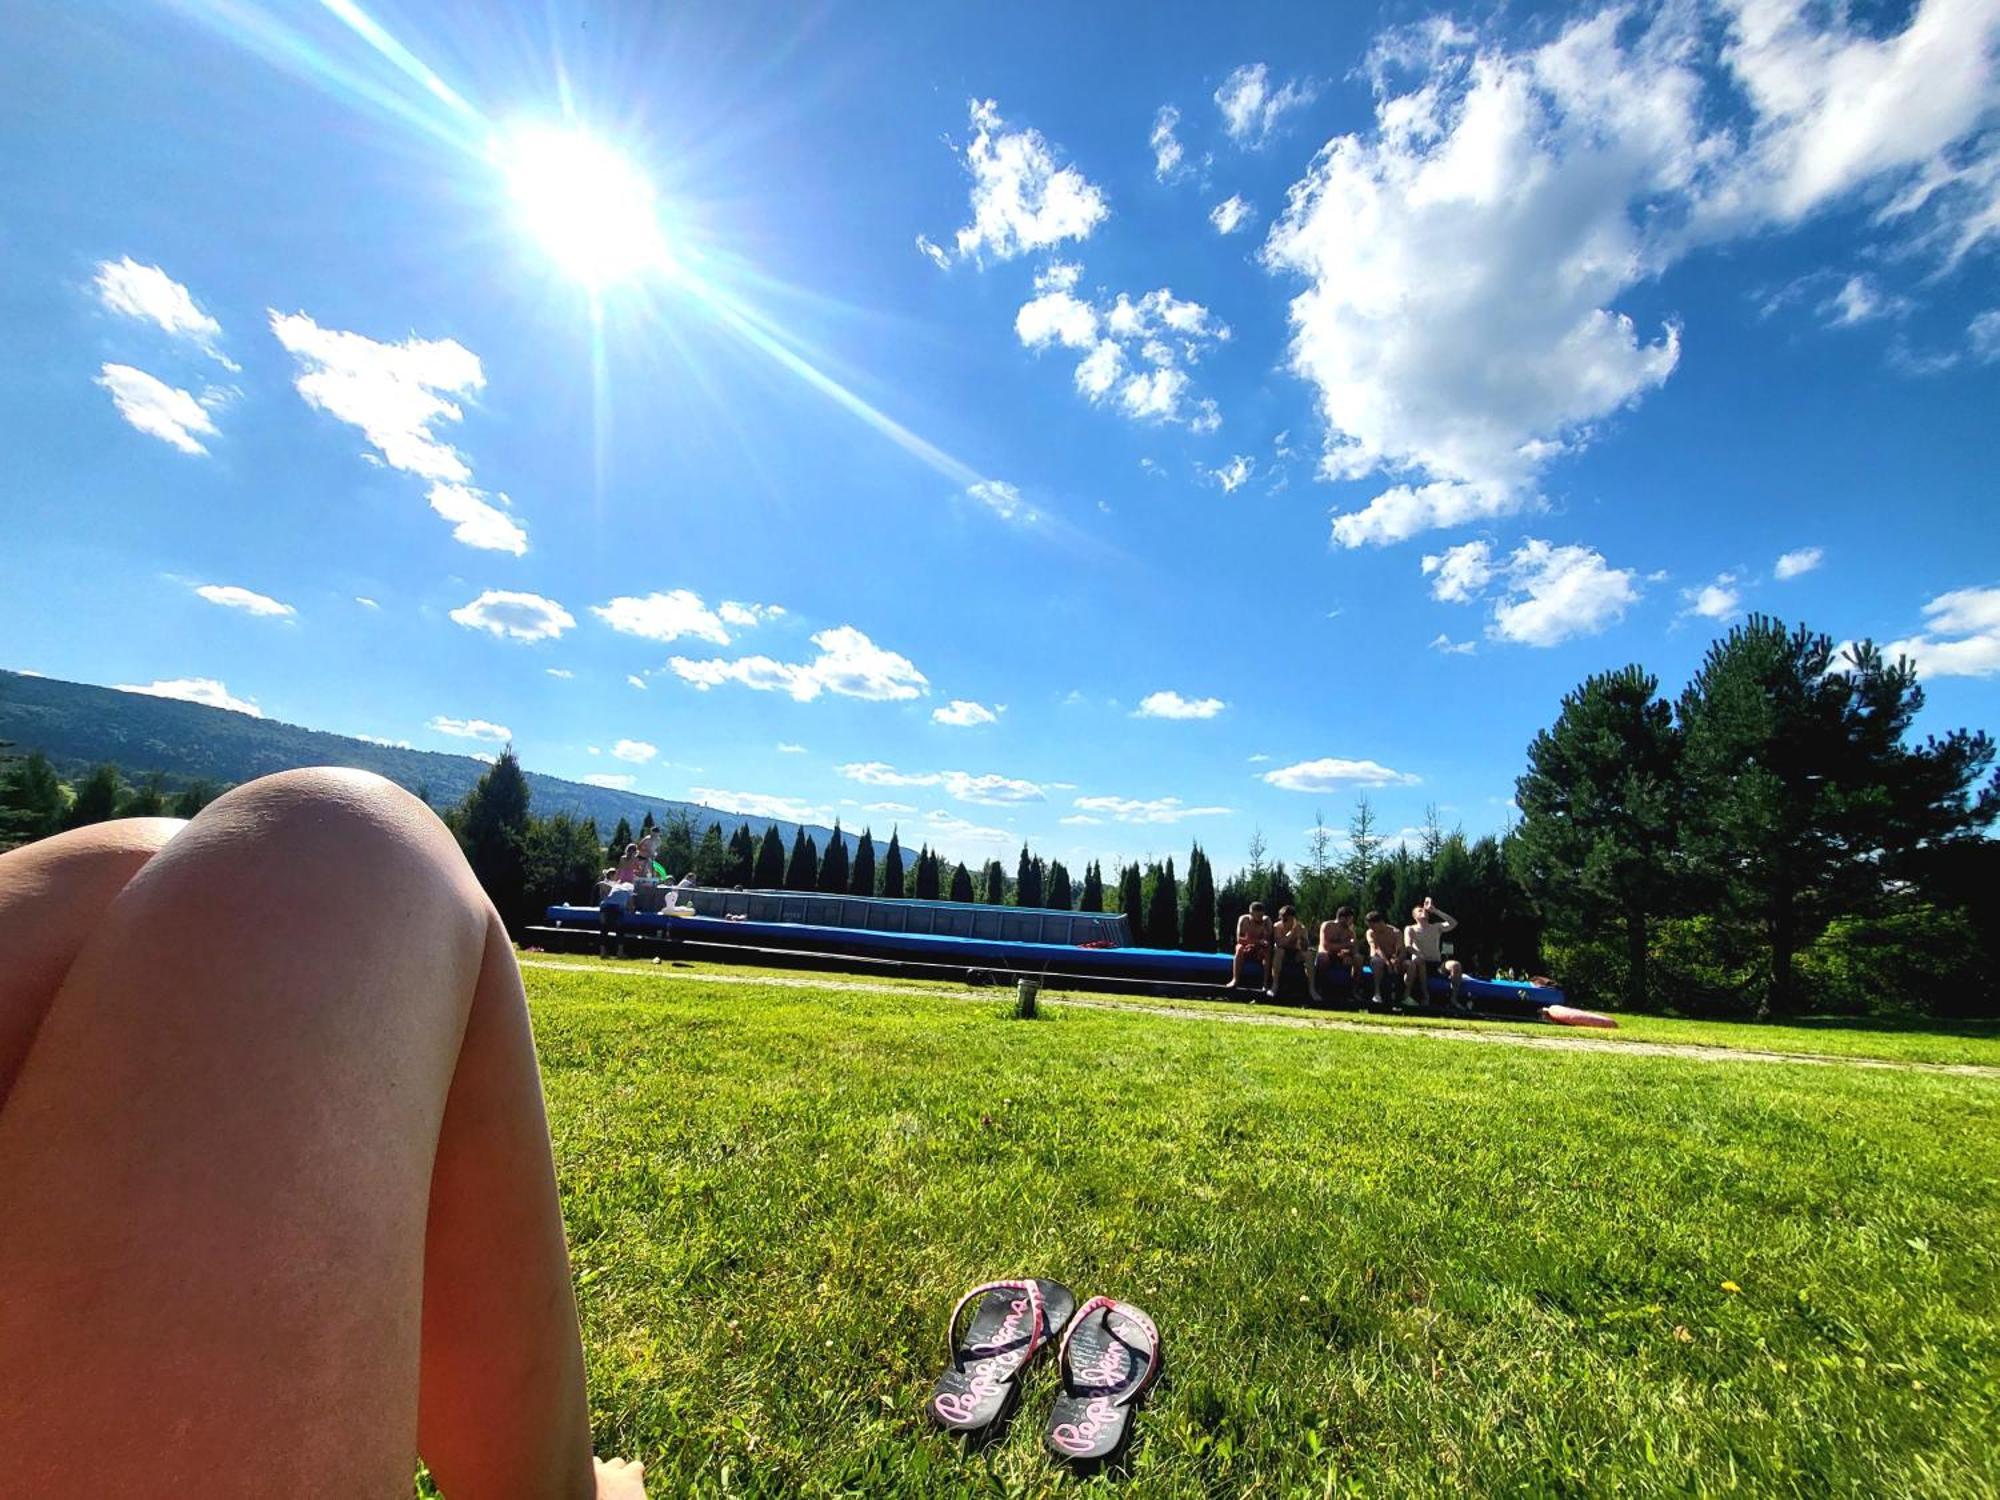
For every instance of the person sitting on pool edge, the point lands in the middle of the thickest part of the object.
(1288, 937)
(1337, 950)
(280, 1205)
(1253, 940)
(1424, 938)
(1386, 960)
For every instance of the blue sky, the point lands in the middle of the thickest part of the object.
(1110, 430)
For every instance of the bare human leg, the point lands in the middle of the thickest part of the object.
(281, 1207)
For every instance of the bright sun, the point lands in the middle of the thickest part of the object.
(589, 208)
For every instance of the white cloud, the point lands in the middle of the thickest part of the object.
(1079, 820)
(1258, 758)
(638, 752)
(746, 615)
(1057, 316)
(1155, 810)
(1444, 643)
(787, 748)
(1168, 704)
(563, 672)
(1021, 199)
(963, 713)
(1231, 214)
(1792, 564)
(1233, 475)
(152, 296)
(663, 617)
(477, 522)
(229, 596)
(1251, 109)
(1961, 636)
(1003, 499)
(1860, 300)
(1714, 601)
(204, 690)
(1332, 773)
(935, 253)
(889, 807)
(376, 739)
(610, 782)
(1464, 255)
(849, 664)
(515, 616)
(1168, 152)
(1134, 350)
(156, 408)
(986, 788)
(1982, 336)
(963, 834)
(365, 602)
(759, 804)
(1555, 593)
(472, 729)
(636, 681)
(1462, 572)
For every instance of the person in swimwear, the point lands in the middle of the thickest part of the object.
(280, 1208)
(1424, 941)
(1287, 938)
(1386, 959)
(1253, 941)
(1337, 950)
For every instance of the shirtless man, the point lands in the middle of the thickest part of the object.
(1253, 940)
(1337, 950)
(1385, 955)
(1289, 936)
(1425, 940)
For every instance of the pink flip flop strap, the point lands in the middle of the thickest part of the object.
(1144, 1324)
(1038, 1332)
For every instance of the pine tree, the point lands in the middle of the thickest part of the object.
(31, 800)
(995, 893)
(674, 852)
(961, 882)
(647, 825)
(1093, 888)
(1061, 897)
(1198, 922)
(892, 867)
(1028, 880)
(802, 871)
(929, 886)
(1364, 847)
(95, 799)
(1132, 902)
(1163, 910)
(742, 862)
(769, 874)
(492, 827)
(861, 882)
(711, 858)
(833, 868)
(620, 837)
(146, 800)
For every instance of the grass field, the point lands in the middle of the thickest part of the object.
(1381, 1263)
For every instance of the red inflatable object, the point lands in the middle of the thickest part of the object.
(1568, 1015)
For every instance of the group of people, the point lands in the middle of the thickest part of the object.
(1402, 958)
(617, 885)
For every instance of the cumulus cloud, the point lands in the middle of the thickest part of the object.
(963, 713)
(1137, 810)
(889, 807)
(611, 782)
(1169, 156)
(1168, 704)
(1555, 593)
(229, 596)
(149, 294)
(988, 788)
(1233, 475)
(1002, 498)
(1133, 351)
(1022, 198)
(156, 408)
(663, 617)
(746, 615)
(1332, 774)
(1792, 564)
(1463, 257)
(1717, 600)
(961, 833)
(1444, 643)
(759, 804)
(515, 616)
(476, 521)
(472, 729)
(634, 680)
(1252, 109)
(849, 665)
(204, 690)
(1961, 636)
(1231, 214)
(1460, 573)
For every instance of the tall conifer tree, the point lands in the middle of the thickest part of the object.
(769, 874)
(892, 867)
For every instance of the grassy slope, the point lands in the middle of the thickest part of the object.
(1975, 1042)
(1382, 1264)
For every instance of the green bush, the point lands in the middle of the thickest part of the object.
(1706, 966)
(1911, 960)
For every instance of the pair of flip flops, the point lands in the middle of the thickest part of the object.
(1108, 1356)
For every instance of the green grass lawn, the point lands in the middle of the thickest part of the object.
(1381, 1263)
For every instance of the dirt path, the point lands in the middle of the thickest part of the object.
(1490, 1034)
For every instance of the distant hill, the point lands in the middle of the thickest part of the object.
(77, 726)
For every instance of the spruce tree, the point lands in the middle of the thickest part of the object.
(995, 893)
(1093, 888)
(1163, 911)
(620, 837)
(1060, 897)
(95, 799)
(1364, 848)
(742, 862)
(711, 858)
(802, 870)
(961, 883)
(1028, 880)
(861, 881)
(1198, 922)
(146, 800)
(929, 886)
(492, 827)
(892, 867)
(31, 800)
(674, 852)
(769, 873)
(1132, 902)
(833, 868)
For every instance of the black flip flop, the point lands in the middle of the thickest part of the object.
(1011, 1322)
(1108, 1360)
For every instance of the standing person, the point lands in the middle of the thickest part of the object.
(616, 888)
(1337, 949)
(1386, 961)
(1253, 940)
(1288, 937)
(1425, 939)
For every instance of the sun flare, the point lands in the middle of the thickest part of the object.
(593, 212)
